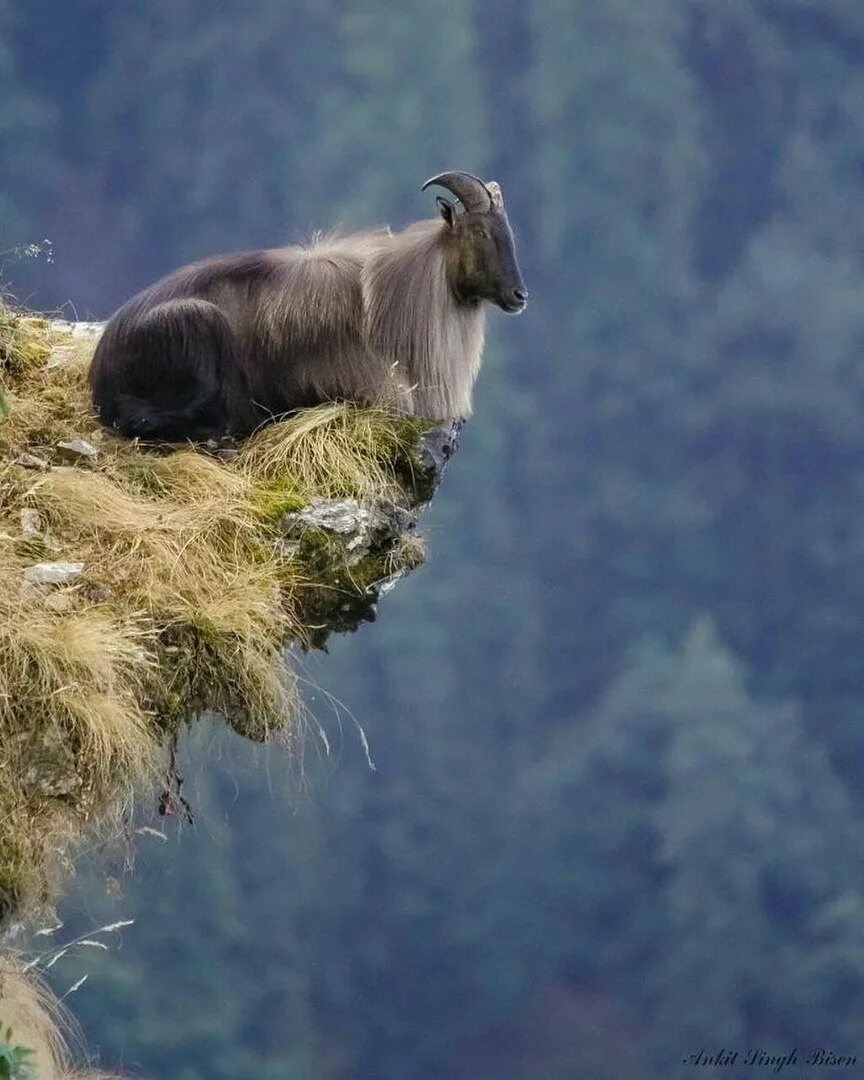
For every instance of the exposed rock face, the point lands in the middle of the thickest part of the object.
(359, 551)
(348, 518)
(437, 445)
(52, 573)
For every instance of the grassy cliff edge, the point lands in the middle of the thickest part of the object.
(144, 585)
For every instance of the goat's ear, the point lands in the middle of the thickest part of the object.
(446, 209)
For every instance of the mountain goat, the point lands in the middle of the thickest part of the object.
(377, 318)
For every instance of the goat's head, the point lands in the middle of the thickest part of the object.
(484, 265)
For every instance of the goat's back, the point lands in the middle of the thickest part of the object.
(296, 315)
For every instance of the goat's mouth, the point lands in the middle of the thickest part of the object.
(513, 300)
(513, 307)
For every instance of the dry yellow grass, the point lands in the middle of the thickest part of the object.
(40, 1023)
(184, 600)
(29, 1009)
(334, 450)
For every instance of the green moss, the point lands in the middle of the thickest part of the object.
(206, 631)
(320, 550)
(269, 502)
(338, 591)
(410, 428)
(209, 669)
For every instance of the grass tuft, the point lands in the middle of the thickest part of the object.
(37, 1021)
(334, 450)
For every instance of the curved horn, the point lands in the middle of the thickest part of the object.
(468, 189)
(494, 189)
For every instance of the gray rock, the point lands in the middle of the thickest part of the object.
(437, 445)
(31, 523)
(361, 527)
(53, 573)
(335, 515)
(30, 461)
(78, 450)
(81, 330)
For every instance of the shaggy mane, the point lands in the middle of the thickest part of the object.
(414, 320)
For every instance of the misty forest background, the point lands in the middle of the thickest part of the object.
(617, 719)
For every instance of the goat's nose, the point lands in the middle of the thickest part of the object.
(521, 295)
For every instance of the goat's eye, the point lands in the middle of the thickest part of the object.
(480, 232)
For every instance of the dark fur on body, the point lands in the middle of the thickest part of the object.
(394, 320)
